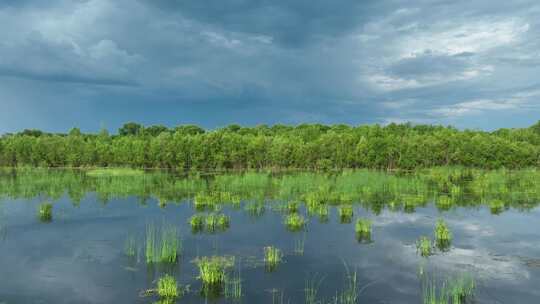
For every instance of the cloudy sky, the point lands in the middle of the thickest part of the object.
(99, 63)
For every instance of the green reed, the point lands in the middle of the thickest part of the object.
(45, 212)
(213, 272)
(424, 246)
(130, 246)
(272, 257)
(163, 244)
(363, 230)
(443, 235)
(197, 222)
(167, 287)
(295, 222)
(345, 214)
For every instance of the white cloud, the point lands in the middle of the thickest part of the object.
(515, 101)
(472, 37)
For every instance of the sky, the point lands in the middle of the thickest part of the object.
(100, 63)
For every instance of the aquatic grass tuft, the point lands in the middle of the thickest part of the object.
(457, 290)
(345, 214)
(292, 207)
(272, 257)
(163, 245)
(461, 288)
(444, 202)
(295, 222)
(424, 246)
(167, 287)
(322, 212)
(433, 294)
(496, 206)
(443, 235)
(363, 230)
(213, 270)
(217, 222)
(45, 212)
(197, 223)
(255, 209)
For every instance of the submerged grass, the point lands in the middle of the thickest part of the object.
(299, 245)
(311, 290)
(130, 246)
(456, 290)
(233, 286)
(272, 257)
(45, 212)
(350, 294)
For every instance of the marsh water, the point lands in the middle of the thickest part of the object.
(80, 255)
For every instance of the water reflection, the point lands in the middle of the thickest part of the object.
(94, 250)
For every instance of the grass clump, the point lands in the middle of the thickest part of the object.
(45, 212)
(496, 206)
(106, 172)
(363, 230)
(272, 257)
(458, 290)
(162, 245)
(444, 202)
(213, 271)
(295, 222)
(345, 214)
(322, 212)
(217, 222)
(197, 223)
(167, 287)
(424, 246)
(443, 235)
(461, 289)
(292, 207)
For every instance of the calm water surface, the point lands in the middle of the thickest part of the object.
(79, 256)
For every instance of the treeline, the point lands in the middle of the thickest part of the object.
(306, 146)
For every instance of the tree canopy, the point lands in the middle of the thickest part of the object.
(306, 146)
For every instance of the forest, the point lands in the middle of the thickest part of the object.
(305, 146)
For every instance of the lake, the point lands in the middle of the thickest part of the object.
(69, 237)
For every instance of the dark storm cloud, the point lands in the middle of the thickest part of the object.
(253, 62)
(290, 23)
